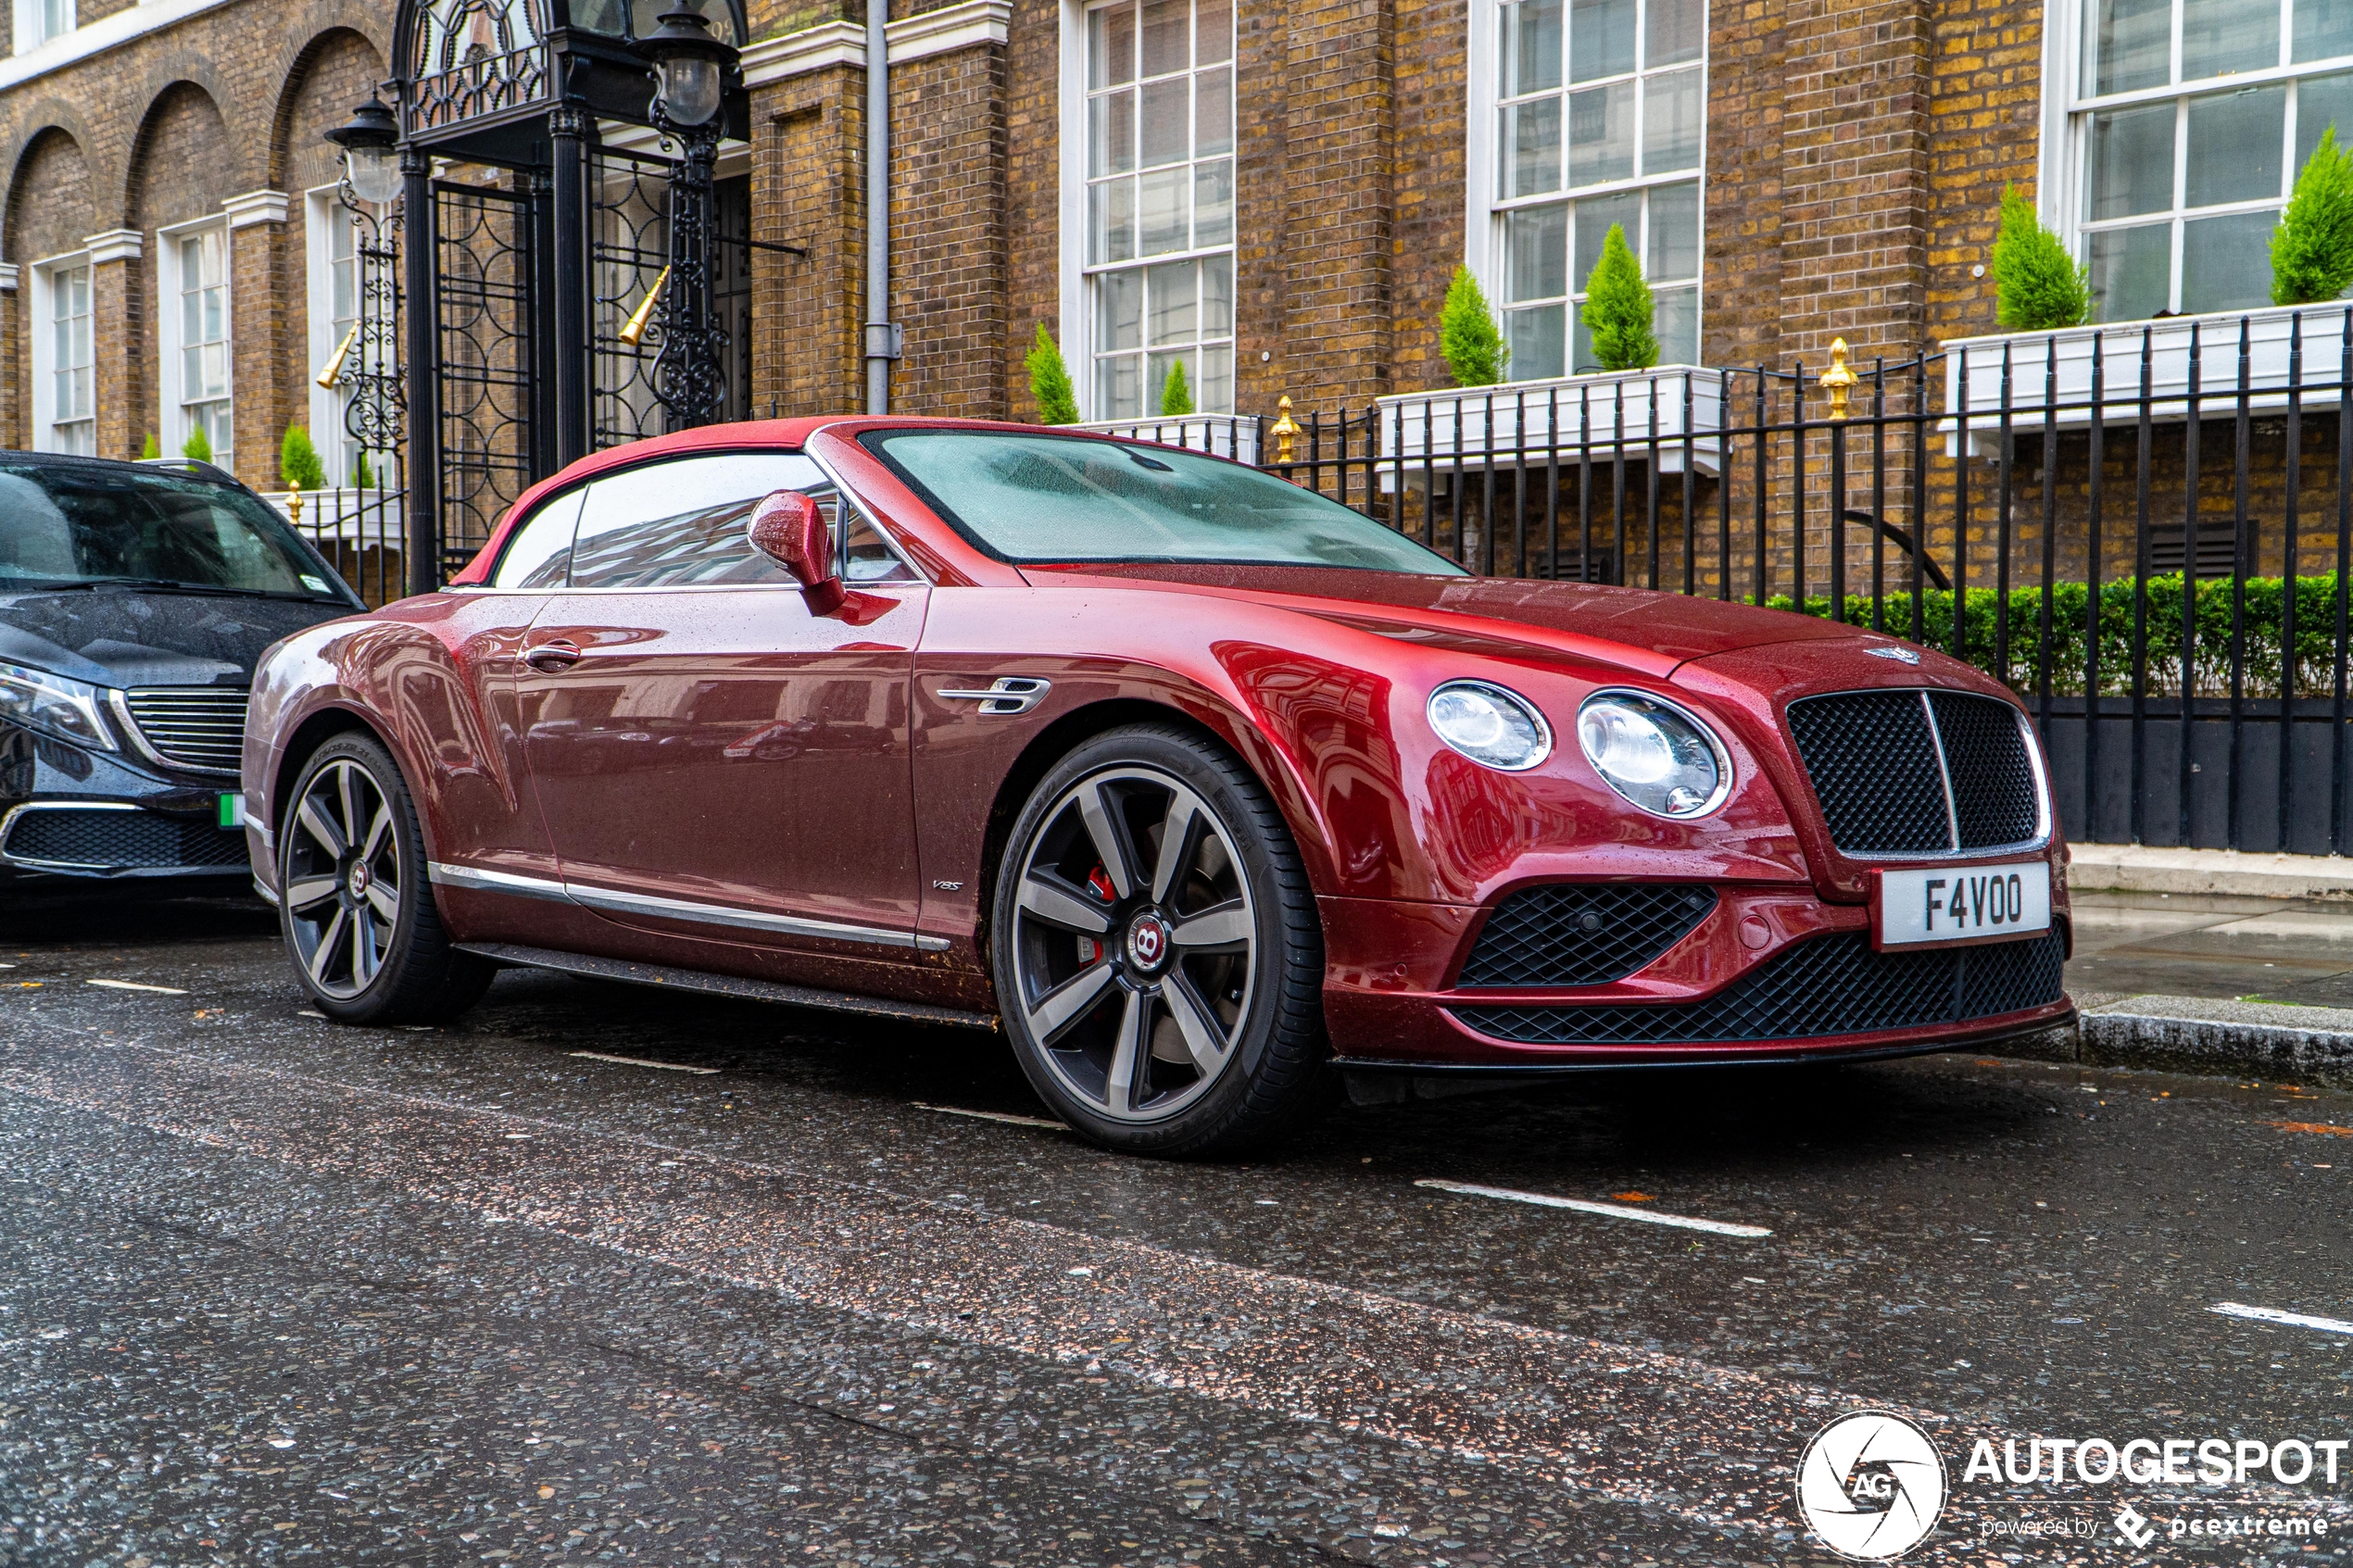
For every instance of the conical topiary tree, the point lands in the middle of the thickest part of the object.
(2312, 248)
(298, 462)
(2037, 287)
(1467, 337)
(151, 447)
(1049, 382)
(197, 446)
(1618, 308)
(363, 476)
(1175, 396)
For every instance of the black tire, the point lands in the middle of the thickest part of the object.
(355, 900)
(1223, 1031)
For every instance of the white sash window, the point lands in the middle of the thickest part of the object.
(2186, 126)
(1159, 175)
(1595, 114)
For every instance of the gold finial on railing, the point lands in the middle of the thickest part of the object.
(634, 331)
(1838, 378)
(294, 505)
(1286, 431)
(331, 374)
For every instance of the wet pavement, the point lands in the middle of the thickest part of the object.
(2292, 950)
(767, 1291)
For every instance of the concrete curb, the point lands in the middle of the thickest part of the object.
(2194, 1035)
(2139, 868)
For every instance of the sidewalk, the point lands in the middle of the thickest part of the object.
(2212, 982)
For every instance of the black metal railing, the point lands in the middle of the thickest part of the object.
(2143, 530)
(361, 532)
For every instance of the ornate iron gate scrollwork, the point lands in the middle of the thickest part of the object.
(628, 248)
(638, 201)
(490, 369)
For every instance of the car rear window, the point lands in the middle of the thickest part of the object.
(1052, 499)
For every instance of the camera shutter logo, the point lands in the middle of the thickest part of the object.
(1870, 1485)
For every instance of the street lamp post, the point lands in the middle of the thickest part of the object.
(690, 67)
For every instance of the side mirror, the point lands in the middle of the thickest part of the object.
(789, 529)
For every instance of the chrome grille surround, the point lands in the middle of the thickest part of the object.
(1891, 786)
(198, 728)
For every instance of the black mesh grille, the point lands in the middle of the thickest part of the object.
(1873, 760)
(1992, 777)
(1832, 985)
(1873, 763)
(1582, 933)
(124, 840)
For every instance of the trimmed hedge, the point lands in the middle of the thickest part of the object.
(2260, 621)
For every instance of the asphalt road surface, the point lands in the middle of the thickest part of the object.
(778, 1287)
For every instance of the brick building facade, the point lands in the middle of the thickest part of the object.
(1275, 197)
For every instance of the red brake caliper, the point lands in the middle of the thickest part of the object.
(1098, 881)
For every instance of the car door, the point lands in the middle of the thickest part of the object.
(713, 759)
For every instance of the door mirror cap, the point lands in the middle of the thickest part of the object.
(789, 529)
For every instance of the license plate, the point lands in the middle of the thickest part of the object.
(232, 810)
(1921, 905)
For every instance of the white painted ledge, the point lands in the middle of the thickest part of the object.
(961, 26)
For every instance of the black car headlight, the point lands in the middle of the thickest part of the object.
(51, 705)
(1658, 757)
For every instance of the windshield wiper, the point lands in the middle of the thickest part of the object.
(165, 585)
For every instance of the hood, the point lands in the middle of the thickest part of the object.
(130, 637)
(1660, 631)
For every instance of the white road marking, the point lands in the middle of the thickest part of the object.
(1611, 1211)
(2286, 1320)
(134, 985)
(641, 1061)
(1007, 1118)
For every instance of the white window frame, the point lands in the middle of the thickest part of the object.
(170, 429)
(1075, 332)
(321, 208)
(2063, 162)
(31, 16)
(44, 362)
(1484, 204)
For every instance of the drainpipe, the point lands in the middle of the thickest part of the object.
(883, 340)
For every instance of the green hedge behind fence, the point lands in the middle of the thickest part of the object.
(2260, 622)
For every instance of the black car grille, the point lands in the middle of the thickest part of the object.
(1582, 933)
(1912, 773)
(121, 840)
(192, 726)
(1832, 985)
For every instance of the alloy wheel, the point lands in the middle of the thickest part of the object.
(1135, 943)
(343, 878)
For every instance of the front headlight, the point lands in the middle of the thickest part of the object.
(1654, 753)
(51, 705)
(1490, 725)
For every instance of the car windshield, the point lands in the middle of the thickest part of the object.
(72, 525)
(1041, 499)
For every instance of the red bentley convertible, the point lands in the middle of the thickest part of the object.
(1200, 783)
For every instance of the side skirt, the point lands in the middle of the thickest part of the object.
(723, 985)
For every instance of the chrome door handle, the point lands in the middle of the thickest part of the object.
(553, 658)
(1006, 695)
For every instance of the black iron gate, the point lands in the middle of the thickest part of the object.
(493, 386)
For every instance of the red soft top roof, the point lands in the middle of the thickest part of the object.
(776, 434)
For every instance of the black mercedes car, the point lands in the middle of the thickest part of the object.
(134, 598)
